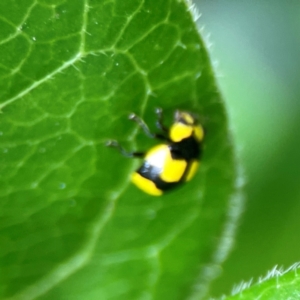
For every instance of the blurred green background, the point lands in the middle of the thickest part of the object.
(257, 45)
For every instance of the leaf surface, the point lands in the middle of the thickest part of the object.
(71, 224)
(277, 284)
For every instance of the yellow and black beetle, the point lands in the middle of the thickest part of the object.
(167, 165)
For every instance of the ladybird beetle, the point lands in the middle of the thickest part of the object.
(171, 163)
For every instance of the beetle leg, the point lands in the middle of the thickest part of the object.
(159, 122)
(145, 128)
(115, 144)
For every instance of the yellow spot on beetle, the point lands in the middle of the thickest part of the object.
(145, 184)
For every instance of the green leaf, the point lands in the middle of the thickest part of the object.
(71, 224)
(277, 284)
